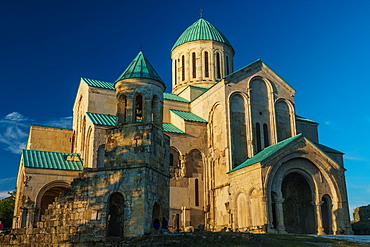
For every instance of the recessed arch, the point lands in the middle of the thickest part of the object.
(299, 211)
(238, 129)
(48, 193)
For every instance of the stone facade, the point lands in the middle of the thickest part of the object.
(224, 150)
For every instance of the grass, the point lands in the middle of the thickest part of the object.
(218, 239)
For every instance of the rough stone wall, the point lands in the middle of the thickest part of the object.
(362, 214)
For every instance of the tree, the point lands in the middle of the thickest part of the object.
(7, 209)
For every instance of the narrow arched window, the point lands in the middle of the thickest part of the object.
(139, 108)
(218, 65)
(227, 65)
(258, 137)
(175, 72)
(266, 138)
(183, 68)
(196, 192)
(101, 156)
(194, 64)
(121, 109)
(206, 64)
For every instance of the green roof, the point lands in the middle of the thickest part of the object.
(299, 118)
(52, 160)
(140, 68)
(170, 96)
(97, 83)
(110, 120)
(188, 116)
(265, 153)
(201, 30)
(102, 119)
(168, 127)
(327, 149)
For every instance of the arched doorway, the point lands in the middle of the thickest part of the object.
(155, 216)
(299, 214)
(326, 214)
(115, 222)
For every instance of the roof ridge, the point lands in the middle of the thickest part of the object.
(140, 67)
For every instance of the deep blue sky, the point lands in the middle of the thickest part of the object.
(321, 48)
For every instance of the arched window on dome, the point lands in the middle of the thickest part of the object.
(183, 68)
(175, 72)
(227, 65)
(218, 66)
(194, 64)
(206, 64)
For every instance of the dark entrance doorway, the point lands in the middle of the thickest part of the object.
(115, 215)
(299, 214)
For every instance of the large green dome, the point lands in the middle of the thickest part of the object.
(201, 30)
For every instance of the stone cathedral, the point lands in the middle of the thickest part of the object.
(225, 150)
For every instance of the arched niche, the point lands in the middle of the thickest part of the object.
(283, 120)
(238, 129)
(260, 111)
(47, 195)
(194, 163)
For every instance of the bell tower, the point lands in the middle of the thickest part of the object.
(138, 147)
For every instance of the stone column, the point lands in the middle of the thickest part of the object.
(280, 215)
(320, 229)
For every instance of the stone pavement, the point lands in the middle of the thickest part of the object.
(355, 238)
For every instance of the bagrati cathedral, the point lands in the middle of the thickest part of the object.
(225, 150)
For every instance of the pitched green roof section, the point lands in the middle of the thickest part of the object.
(102, 119)
(188, 116)
(140, 68)
(174, 97)
(299, 118)
(52, 160)
(327, 149)
(100, 84)
(201, 30)
(265, 153)
(110, 120)
(168, 127)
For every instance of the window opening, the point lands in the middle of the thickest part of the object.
(258, 136)
(266, 135)
(206, 65)
(196, 192)
(218, 65)
(183, 67)
(194, 63)
(139, 108)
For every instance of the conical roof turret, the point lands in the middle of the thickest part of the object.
(140, 68)
(201, 30)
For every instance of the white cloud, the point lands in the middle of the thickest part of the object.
(353, 158)
(14, 129)
(4, 194)
(64, 122)
(4, 181)
(13, 132)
